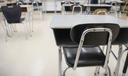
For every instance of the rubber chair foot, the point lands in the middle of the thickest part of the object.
(15, 31)
(95, 74)
(30, 35)
(105, 74)
(9, 36)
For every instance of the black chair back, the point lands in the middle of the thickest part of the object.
(12, 13)
(94, 38)
(37, 4)
(94, 1)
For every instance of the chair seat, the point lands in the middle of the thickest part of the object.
(90, 56)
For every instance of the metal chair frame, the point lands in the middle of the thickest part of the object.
(107, 69)
(77, 6)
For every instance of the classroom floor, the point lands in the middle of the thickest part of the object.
(36, 55)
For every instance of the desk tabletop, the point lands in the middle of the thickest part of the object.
(68, 21)
(91, 5)
(118, 1)
(97, 5)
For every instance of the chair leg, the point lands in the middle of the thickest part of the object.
(107, 71)
(62, 9)
(26, 30)
(73, 10)
(8, 30)
(30, 23)
(44, 6)
(120, 53)
(60, 62)
(64, 72)
(5, 31)
(14, 28)
(81, 10)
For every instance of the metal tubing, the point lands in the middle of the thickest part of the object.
(82, 40)
(60, 61)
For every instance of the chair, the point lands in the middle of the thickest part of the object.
(77, 5)
(66, 6)
(12, 15)
(39, 6)
(87, 52)
(115, 8)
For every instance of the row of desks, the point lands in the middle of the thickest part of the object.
(88, 7)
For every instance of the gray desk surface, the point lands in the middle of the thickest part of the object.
(92, 5)
(97, 5)
(118, 1)
(68, 21)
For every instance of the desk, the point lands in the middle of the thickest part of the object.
(118, 1)
(62, 24)
(89, 7)
(68, 21)
(92, 7)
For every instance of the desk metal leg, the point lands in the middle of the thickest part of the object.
(55, 6)
(125, 65)
(30, 20)
(88, 10)
(60, 61)
(118, 61)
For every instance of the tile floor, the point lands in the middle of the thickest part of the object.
(35, 56)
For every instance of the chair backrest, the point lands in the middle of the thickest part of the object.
(12, 13)
(94, 2)
(94, 38)
(37, 4)
(77, 8)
